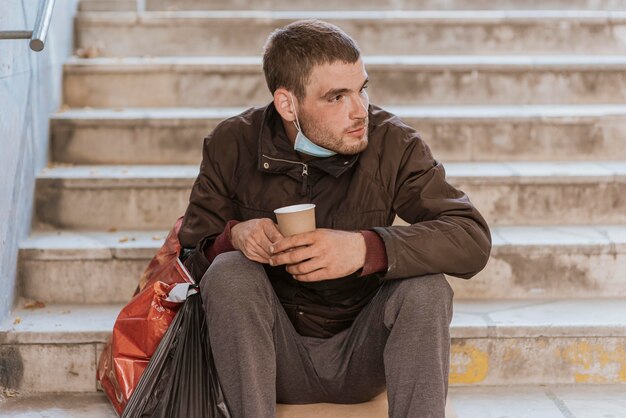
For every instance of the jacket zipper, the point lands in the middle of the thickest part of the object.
(305, 172)
(305, 179)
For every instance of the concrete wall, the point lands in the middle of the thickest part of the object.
(30, 89)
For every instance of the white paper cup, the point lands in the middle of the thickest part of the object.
(296, 219)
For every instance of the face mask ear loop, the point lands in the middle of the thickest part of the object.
(293, 108)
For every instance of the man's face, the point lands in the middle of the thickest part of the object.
(334, 111)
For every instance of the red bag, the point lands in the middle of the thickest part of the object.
(141, 324)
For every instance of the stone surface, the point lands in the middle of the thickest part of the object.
(539, 401)
(454, 133)
(545, 360)
(107, 5)
(610, 400)
(525, 263)
(539, 262)
(382, 4)
(65, 267)
(84, 281)
(548, 307)
(398, 80)
(493, 343)
(70, 324)
(463, 402)
(92, 405)
(514, 193)
(378, 32)
(155, 196)
(29, 92)
(58, 367)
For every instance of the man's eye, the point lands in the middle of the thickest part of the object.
(336, 98)
(364, 88)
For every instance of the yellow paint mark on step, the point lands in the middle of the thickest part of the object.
(595, 363)
(468, 365)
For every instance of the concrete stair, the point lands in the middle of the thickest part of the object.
(527, 263)
(395, 80)
(378, 32)
(547, 401)
(455, 133)
(514, 193)
(202, 5)
(494, 342)
(525, 107)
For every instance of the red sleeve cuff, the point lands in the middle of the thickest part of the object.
(375, 254)
(221, 244)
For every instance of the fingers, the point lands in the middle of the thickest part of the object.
(260, 251)
(254, 252)
(268, 235)
(255, 237)
(256, 258)
(263, 244)
(272, 232)
(295, 256)
(294, 241)
(305, 267)
(315, 276)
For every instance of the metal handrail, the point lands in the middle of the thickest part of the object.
(38, 35)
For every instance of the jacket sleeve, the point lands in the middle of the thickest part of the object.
(446, 234)
(210, 206)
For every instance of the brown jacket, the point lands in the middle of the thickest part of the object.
(250, 168)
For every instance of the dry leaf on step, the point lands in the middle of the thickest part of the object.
(36, 304)
(92, 51)
(9, 393)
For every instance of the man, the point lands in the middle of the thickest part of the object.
(357, 306)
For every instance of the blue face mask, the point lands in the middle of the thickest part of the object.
(304, 144)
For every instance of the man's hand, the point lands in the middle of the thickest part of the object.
(254, 238)
(322, 254)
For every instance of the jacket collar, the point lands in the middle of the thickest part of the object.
(276, 153)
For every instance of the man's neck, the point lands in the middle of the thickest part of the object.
(305, 158)
(290, 130)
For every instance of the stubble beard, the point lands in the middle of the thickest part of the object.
(323, 136)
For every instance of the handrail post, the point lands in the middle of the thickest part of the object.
(15, 34)
(38, 35)
(40, 32)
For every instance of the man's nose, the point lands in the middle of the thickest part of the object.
(359, 107)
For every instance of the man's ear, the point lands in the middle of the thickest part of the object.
(282, 103)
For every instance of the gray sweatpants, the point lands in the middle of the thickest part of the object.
(400, 341)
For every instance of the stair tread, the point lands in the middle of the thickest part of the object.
(59, 323)
(478, 320)
(68, 244)
(442, 62)
(100, 5)
(484, 171)
(78, 245)
(471, 16)
(423, 112)
(72, 323)
(538, 401)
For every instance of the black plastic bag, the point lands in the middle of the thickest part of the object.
(181, 379)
